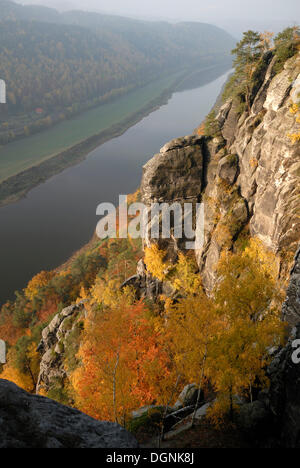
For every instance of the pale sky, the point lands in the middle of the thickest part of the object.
(188, 9)
(235, 16)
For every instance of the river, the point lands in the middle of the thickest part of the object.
(58, 217)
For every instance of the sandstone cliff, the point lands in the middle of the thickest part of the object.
(248, 176)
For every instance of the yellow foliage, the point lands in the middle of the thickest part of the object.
(248, 296)
(295, 110)
(224, 339)
(84, 294)
(39, 281)
(185, 277)
(254, 163)
(15, 376)
(249, 285)
(193, 326)
(27, 380)
(261, 257)
(154, 260)
(109, 293)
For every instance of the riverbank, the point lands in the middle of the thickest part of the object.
(18, 185)
(56, 218)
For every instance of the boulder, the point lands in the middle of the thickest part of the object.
(202, 411)
(148, 419)
(146, 411)
(31, 421)
(188, 397)
(177, 416)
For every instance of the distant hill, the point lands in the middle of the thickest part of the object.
(58, 61)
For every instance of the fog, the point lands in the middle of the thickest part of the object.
(234, 15)
(188, 9)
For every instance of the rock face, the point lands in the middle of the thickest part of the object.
(60, 334)
(291, 307)
(284, 394)
(247, 176)
(266, 165)
(175, 175)
(30, 421)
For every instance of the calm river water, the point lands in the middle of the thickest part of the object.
(58, 217)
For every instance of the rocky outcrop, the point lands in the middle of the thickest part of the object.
(144, 284)
(248, 176)
(61, 334)
(175, 175)
(266, 166)
(31, 421)
(270, 163)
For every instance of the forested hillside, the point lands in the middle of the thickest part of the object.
(58, 64)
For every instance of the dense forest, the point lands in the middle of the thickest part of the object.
(58, 64)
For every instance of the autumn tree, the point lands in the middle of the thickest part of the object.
(22, 366)
(124, 365)
(248, 297)
(38, 282)
(194, 327)
(156, 263)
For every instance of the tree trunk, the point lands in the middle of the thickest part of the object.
(200, 387)
(231, 404)
(162, 432)
(115, 388)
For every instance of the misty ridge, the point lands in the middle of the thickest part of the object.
(232, 15)
(58, 64)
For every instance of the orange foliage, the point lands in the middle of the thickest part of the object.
(15, 376)
(201, 130)
(48, 310)
(9, 332)
(124, 365)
